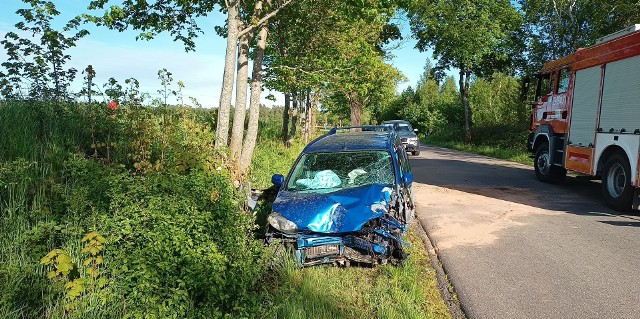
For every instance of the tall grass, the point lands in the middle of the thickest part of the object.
(406, 291)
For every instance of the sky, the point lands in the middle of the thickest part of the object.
(119, 55)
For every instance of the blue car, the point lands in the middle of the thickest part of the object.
(347, 199)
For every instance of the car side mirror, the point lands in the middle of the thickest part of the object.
(407, 179)
(277, 180)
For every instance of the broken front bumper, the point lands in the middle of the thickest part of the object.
(375, 246)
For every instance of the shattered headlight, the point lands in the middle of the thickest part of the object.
(282, 224)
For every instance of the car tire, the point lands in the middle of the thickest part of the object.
(545, 171)
(616, 182)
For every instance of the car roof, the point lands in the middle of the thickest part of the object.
(352, 141)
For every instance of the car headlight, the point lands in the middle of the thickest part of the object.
(282, 224)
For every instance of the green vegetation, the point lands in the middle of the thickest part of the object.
(511, 154)
(501, 122)
(407, 291)
(132, 212)
(124, 210)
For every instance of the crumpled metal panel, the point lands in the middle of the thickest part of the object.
(345, 210)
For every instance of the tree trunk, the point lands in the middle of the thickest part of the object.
(294, 117)
(224, 108)
(254, 105)
(356, 112)
(465, 74)
(285, 118)
(237, 131)
(307, 117)
(314, 110)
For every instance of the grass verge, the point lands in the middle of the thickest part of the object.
(510, 154)
(407, 291)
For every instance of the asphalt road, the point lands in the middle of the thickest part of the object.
(514, 247)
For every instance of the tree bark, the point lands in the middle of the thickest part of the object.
(314, 110)
(285, 118)
(294, 117)
(224, 108)
(237, 131)
(356, 111)
(307, 116)
(254, 105)
(465, 74)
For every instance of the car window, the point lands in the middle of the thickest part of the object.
(563, 83)
(322, 172)
(404, 128)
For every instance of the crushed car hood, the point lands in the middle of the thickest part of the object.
(341, 211)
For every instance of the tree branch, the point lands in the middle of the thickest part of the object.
(310, 72)
(264, 19)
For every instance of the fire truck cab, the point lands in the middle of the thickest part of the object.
(586, 117)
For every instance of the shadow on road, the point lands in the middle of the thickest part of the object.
(510, 182)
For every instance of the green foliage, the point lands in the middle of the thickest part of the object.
(35, 64)
(554, 31)
(337, 52)
(430, 108)
(153, 17)
(500, 120)
(176, 240)
(61, 263)
(181, 246)
(474, 30)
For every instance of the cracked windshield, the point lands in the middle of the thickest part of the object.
(323, 172)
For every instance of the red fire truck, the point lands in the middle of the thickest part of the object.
(586, 117)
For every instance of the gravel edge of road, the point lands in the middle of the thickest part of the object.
(444, 285)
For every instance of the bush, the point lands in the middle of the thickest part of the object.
(181, 246)
(178, 242)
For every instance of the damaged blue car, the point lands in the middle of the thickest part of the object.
(347, 199)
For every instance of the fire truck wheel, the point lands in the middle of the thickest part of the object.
(616, 182)
(545, 171)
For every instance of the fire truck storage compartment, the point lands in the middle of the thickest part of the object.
(584, 111)
(621, 96)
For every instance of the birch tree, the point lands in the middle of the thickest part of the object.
(180, 19)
